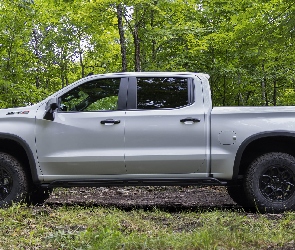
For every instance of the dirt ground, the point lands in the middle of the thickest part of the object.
(169, 198)
(172, 199)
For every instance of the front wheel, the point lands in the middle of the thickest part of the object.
(270, 182)
(13, 182)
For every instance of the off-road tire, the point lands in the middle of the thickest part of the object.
(270, 182)
(13, 181)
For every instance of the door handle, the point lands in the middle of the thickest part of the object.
(110, 122)
(190, 119)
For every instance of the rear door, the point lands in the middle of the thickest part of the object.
(165, 129)
(87, 134)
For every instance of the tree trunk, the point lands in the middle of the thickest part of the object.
(240, 96)
(275, 93)
(263, 88)
(154, 55)
(137, 63)
(82, 64)
(37, 55)
(122, 36)
(80, 52)
(224, 91)
(136, 40)
(134, 31)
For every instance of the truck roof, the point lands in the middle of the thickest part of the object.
(148, 74)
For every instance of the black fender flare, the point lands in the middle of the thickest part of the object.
(25, 146)
(251, 139)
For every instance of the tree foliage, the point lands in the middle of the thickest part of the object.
(247, 47)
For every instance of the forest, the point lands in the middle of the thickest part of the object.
(247, 47)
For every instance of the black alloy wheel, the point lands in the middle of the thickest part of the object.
(277, 183)
(270, 183)
(13, 181)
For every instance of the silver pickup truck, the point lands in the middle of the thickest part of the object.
(153, 128)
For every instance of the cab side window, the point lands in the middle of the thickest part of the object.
(96, 95)
(162, 92)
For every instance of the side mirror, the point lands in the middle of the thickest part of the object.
(51, 106)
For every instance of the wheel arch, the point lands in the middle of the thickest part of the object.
(19, 148)
(261, 143)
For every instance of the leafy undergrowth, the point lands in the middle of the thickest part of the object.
(77, 227)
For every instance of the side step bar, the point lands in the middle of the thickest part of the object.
(140, 182)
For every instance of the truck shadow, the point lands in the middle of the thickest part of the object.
(169, 199)
(170, 208)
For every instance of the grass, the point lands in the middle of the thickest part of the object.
(78, 227)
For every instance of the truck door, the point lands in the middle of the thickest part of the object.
(165, 130)
(87, 134)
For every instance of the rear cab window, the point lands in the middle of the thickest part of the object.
(164, 92)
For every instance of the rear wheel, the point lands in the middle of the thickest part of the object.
(13, 181)
(270, 182)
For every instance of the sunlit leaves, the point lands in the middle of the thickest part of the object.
(247, 47)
